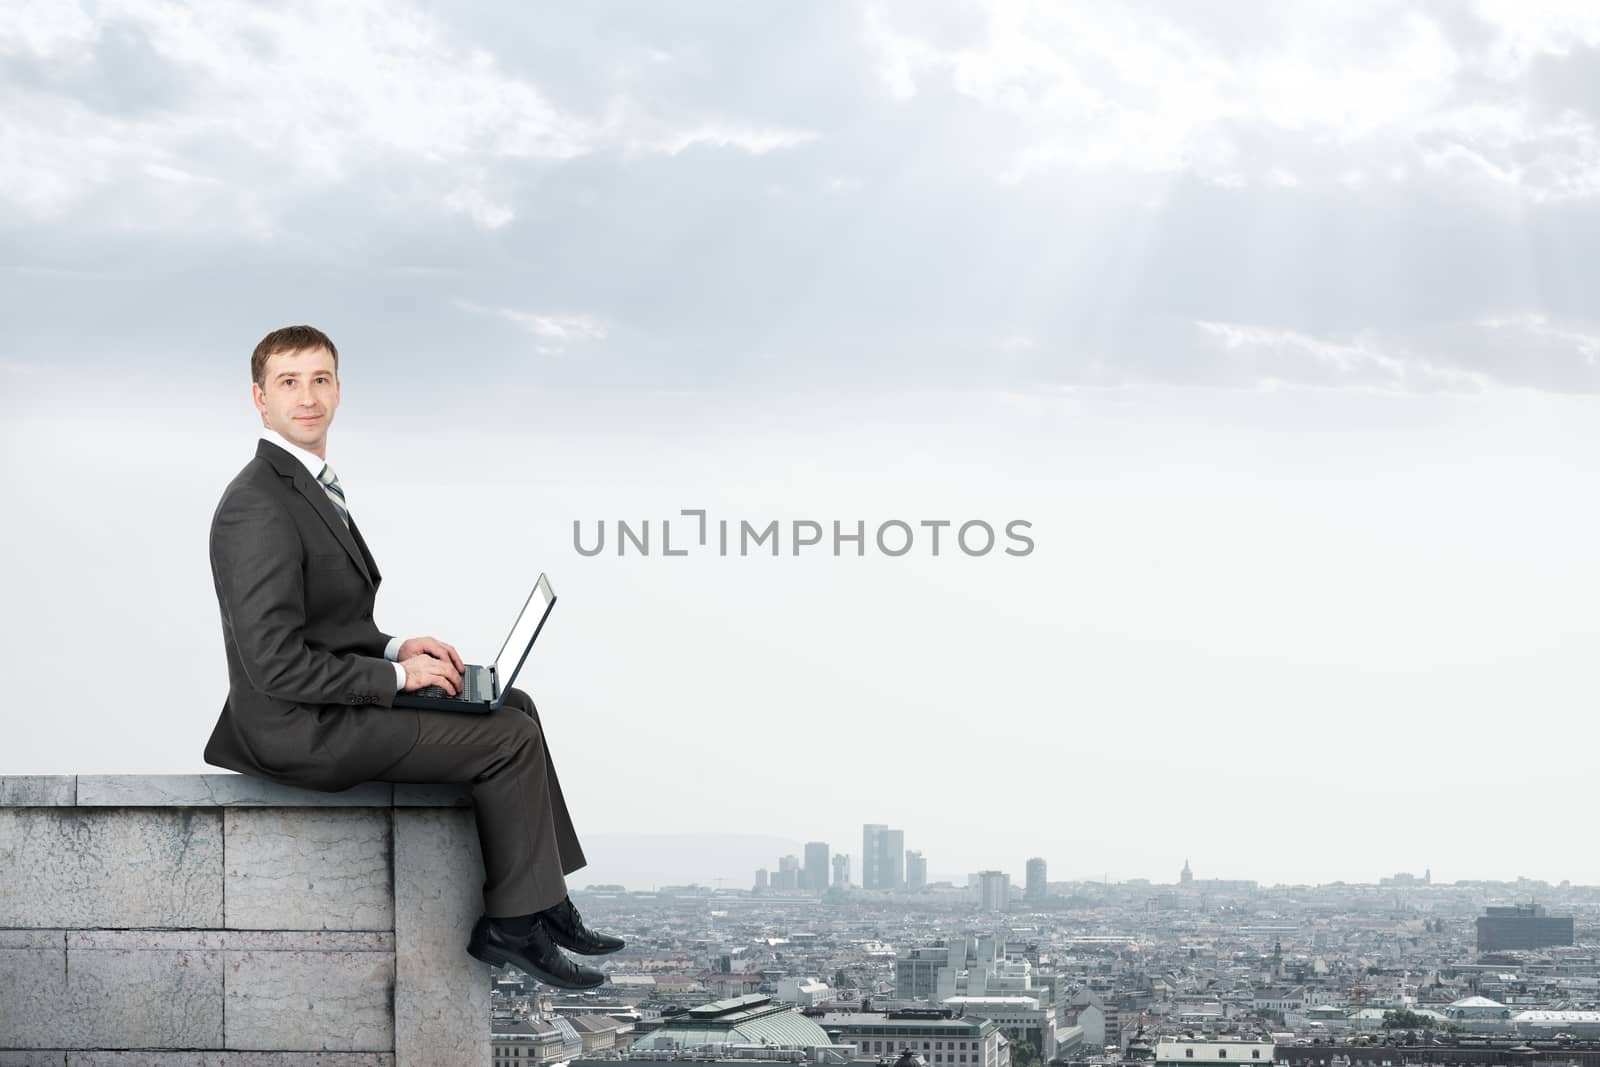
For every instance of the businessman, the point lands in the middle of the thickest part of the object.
(311, 696)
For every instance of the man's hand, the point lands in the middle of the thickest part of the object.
(434, 647)
(429, 661)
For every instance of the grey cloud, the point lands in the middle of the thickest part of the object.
(877, 244)
(1569, 81)
(119, 73)
(796, 65)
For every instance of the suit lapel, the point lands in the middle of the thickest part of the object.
(366, 553)
(295, 471)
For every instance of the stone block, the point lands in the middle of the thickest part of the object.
(34, 1058)
(37, 790)
(121, 995)
(328, 1001)
(29, 939)
(72, 867)
(284, 990)
(33, 988)
(442, 994)
(308, 869)
(218, 790)
(78, 989)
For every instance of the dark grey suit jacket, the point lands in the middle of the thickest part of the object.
(310, 696)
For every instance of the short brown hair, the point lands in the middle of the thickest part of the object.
(288, 339)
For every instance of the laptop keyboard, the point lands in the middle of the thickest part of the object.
(469, 688)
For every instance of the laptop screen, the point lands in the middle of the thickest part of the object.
(523, 632)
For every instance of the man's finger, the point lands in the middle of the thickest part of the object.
(448, 652)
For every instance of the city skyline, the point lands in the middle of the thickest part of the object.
(708, 867)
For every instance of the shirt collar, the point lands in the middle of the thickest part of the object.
(310, 459)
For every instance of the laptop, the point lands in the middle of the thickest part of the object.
(483, 689)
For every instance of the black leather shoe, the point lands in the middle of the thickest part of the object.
(535, 955)
(567, 929)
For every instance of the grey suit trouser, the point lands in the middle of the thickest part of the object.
(529, 845)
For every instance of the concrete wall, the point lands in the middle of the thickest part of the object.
(203, 920)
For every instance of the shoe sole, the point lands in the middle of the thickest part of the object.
(495, 958)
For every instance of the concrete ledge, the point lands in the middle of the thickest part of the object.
(230, 790)
(220, 920)
(30, 790)
(71, 1058)
(212, 791)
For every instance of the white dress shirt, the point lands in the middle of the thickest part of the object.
(314, 464)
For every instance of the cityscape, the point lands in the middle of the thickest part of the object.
(814, 962)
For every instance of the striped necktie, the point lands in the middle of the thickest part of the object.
(330, 485)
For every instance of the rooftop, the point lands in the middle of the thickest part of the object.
(752, 1019)
(871, 1020)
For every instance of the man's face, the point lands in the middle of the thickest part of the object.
(300, 396)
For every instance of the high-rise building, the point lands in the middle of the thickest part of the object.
(816, 875)
(916, 870)
(994, 890)
(1036, 881)
(841, 870)
(883, 861)
(872, 855)
(1185, 876)
(761, 878)
(788, 877)
(894, 845)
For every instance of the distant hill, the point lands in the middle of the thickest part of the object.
(644, 861)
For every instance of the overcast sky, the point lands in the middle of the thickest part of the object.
(1277, 322)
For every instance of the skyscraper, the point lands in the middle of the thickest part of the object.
(872, 855)
(894, 846)
(883, 857)
(916, 870)
(816, 874)
(994, 888)
(841, 870)
(1035, 892)
(788, 877)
